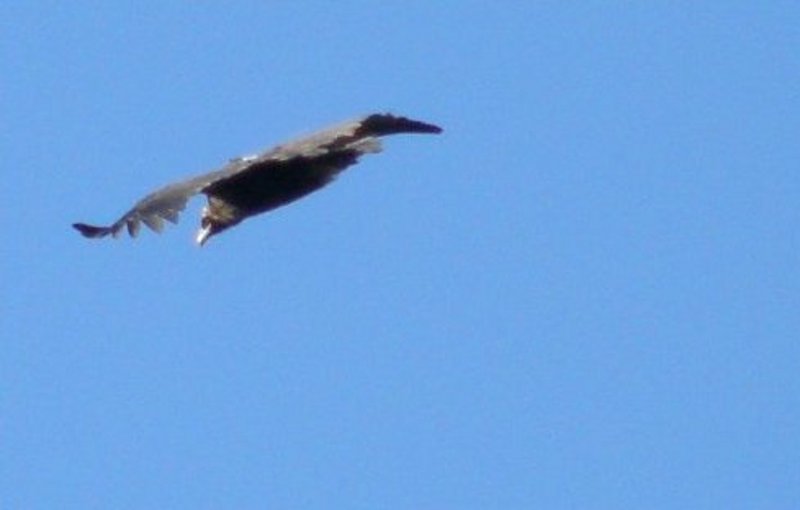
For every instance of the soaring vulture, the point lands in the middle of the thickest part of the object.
(255, 184)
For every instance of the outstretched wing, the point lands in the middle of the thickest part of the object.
(163, 204)
(346, 135)
(338, 146)
(293, 169)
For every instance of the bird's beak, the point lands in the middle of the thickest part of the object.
(203, 235)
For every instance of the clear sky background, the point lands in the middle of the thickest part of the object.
(584, 294)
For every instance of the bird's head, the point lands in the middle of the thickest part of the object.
(218, 216)
(209, 226)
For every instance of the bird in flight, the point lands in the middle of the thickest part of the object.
(256, 184)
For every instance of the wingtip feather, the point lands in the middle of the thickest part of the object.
(91, 231)
(388, 124)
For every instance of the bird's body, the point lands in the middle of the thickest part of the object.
(256, 184)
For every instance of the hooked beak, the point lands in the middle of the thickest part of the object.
(203, 234)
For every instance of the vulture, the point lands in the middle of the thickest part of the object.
(255, 184)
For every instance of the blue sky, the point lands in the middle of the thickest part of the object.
(583, 294)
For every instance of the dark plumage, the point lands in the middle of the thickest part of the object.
(256, 184)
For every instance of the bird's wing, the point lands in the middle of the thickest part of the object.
(358, 136)
(163, 204)
(332, 149)
(355, 137)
